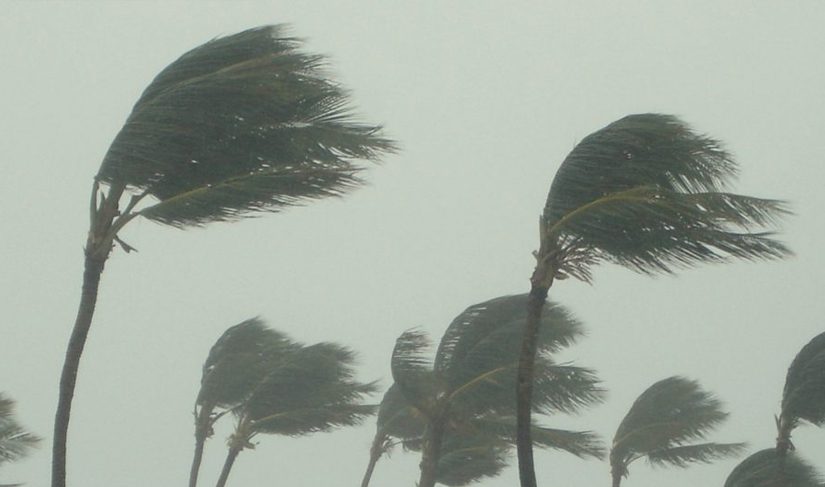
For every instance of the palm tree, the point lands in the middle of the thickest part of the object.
(663, 425)
(240, 125)
(766, 468)
(15, 441)
(273, 385)
(467, 388)
(644, 192)
(803, 398)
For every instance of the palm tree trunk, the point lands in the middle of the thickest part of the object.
(68, 378)
(375, 454)
(202, 428)
(431, 451)
(617, 480)
(227, 465)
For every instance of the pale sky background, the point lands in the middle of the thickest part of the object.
(486, 99)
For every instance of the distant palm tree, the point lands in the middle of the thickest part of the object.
(15, 441)
(645, 192)
(803, 398)
(467, 389)
(272, 385)
(240, 125)
(766, 468)
(663, 425)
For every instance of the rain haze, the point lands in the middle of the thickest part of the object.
(485, 100)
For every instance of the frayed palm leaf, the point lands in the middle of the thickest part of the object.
(663, 422)
(15, 441)
(803, 398)
(583, 444)
(765, 468)
(468, 459)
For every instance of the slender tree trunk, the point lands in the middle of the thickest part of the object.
(617, 479)
(375, 454)
(68, 378)
(431, 451)
(227, 465)
(202, 431)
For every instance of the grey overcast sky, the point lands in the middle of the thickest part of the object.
(486, 99)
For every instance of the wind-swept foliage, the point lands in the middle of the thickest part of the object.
(465, 395)
(803, 398)
(243, 124)
(272, 385)
(766, 468)
(648, 193)
(15, 441)
(664, 424)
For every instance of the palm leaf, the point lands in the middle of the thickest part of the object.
(660, 423)
(762, 469)
(398, 418)
(412, 370)
(582, 444)
(644, 192)
(467, 459)
(804, 395)
(15, 441)
(241, 124)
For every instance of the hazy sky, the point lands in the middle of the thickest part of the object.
(486, 99)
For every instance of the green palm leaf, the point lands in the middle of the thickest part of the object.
(804, 395)
(241, 124)
(15, 441)
(765, 468)
(468, 459)
(663, 422)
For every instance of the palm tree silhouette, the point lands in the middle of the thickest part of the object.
(645, 192)
(766, 468)
(663, 426)
(241, 125)
(803, 398)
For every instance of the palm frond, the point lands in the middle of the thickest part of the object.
(564, 388)
(682, 456)
(582, 444)
(398, 418)
(762, 469)
(412, 370)
(804, 395)
(242, 124)
(669, 414)
(314, 419)
(645, 192)
(15, 441)
(465, 460)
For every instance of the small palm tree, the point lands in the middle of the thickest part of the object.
(803, 398)
(240, 125)
(272, 385)
(15, 441)
(766, 468)
(645, 192)
(467, 389)
(663, 425)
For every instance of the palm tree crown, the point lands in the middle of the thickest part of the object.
(766, 468)
(803, 398)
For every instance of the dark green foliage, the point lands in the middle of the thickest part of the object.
(762, 469)
(243, 123)
(15, 441)
(804, 395)
(663, 424)
(645, 192)
(467, 459)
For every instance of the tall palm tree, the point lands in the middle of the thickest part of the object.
(766, 468)
(663, 425)
(15, 441)
(273, 385)
(645, 192)
(803, 398)
(240, 125)
(467, 388)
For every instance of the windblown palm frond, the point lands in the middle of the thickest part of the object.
(803, 398)
(468, 459)
(662, 424)
(765, 468)
(583, 444)
(241, 124)
(15, 441)
(412, 371)
(645, 192)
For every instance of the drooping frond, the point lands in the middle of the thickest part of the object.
(682, 456)
(15, 441)
(241, 124)
(762, 469)
(412, 370)
(804, 395)
(582, 444)
(663, 420)
(398, 418)
(468, 459)
(564, 388)
(645, 192)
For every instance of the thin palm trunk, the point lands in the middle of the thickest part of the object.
(201, 433)
(431, 452)
(227, 465)
(375, 454)
(617, 480)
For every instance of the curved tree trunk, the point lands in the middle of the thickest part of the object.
(227, 465)
(68, 378)
(202, 429)
(431, 451)
(375, 454)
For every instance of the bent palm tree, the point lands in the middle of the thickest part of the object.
(645, 192)
(242, 124)
(273, 385)
(803, 398)
(467, 389)
(766, 468)
(663, 425)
